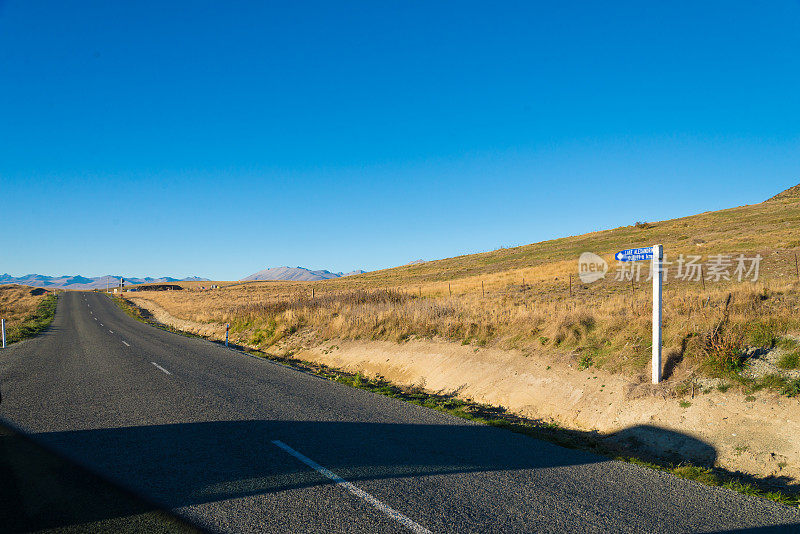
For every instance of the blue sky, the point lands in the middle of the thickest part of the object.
(220, 138)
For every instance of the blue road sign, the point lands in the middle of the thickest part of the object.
(635, 254)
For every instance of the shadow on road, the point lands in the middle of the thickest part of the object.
(186, 464)
(208, 461)
(201, 462)
(39, 490)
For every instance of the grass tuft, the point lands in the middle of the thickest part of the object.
(790, 361)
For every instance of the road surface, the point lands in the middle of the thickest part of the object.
(234, 443)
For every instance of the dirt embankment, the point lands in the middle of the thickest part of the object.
(756, 434)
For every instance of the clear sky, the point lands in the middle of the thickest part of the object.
(220, 138)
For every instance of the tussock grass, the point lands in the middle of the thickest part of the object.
(790, 361)
(26, 310)
(707, 331)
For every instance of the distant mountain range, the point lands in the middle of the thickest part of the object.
(300, 274)
(83, 282)
(101, 282)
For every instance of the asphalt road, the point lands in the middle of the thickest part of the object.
(233, 443)
(42, 492)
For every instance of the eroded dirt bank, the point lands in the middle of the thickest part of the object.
(757, 436)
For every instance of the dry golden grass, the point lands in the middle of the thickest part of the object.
(28, 311)
(17, 303)
(611, 328)
(530, 297)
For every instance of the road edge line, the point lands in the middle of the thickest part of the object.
(355, 490)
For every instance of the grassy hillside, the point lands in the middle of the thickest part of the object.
(770, 226)
(27, 310)
(530, 298)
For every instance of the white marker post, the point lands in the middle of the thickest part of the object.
(3, 328)
(227, 328)
(658, 275)
(656, 256)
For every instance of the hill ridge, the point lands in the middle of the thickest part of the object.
(298, 274)
(792, 192)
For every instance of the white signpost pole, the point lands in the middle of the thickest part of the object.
(658, 256)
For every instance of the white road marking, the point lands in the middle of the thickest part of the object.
(394, 514)
(95, 318)
(154, 363)
(101, 324)
(111, 331)
(126, 344)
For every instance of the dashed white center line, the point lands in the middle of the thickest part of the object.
(158, 366)
(95, 318)
(101, 324)
(125, 343)
(111, 331)
(358, 492)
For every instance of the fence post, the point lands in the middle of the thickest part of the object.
(702, 278)
(633, 292)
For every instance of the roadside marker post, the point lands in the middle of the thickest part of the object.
(227, 328)
(658, 283)
(656, 255)
(3, 328)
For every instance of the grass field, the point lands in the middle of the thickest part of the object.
(530, 298)
(27, 311)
